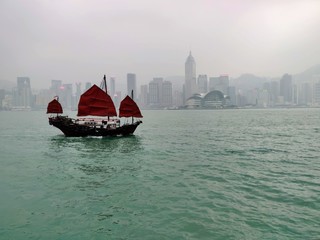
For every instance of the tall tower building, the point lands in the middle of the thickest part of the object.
(23, 96)
(132, 85)
(190, 77)
(143, 99)
(286, 88)
(167, 94)
(155, 92)
(112, 89)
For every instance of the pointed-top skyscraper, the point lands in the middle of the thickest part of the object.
(190, 77)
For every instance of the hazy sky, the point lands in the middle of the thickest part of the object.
(80, 40)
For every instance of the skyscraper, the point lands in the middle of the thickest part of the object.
(155, 92)
(160, 93)
(132, 85)
(166, 94)
(23, 96)
(112, 89)
(190, 77)
(286, 88)
(143, 99)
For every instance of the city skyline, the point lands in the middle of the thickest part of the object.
(78, 42)
(212, 92)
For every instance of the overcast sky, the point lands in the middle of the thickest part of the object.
(80, 40)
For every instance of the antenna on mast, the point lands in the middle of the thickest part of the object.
(105, 82)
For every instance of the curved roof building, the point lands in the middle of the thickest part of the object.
(212, 99)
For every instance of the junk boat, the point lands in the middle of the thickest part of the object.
(97, 115)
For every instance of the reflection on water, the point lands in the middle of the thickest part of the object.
(94, 162)
(97, 145)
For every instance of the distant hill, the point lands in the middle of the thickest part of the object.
(307, 74)
(248, 81)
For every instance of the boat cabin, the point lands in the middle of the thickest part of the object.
(99, 122)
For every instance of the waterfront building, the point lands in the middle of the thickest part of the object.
(160, 93)
(305, 96)
(195, 101)
(22, 94)
(203, 83)
(316, 91)
(177, 98)
(220, 83)
(143, 98)
(78, 94)
(66, 97)
(42, 98)
(252, 97)
(232, 95)
(211, 100)
(212, 82)
(117, 98)
(274, 91)
(56, 87)
(166, 94)
(155, 92)
(286, 88)
(112, 88)
(241, 99)
(131, 85)
(214, 99)
(263, 99)
(2, 95)
(295, 94)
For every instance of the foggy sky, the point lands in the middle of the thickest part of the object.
(79, 41)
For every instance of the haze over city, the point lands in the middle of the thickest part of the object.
(78, 41)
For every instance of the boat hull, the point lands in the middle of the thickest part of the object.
(71, 128)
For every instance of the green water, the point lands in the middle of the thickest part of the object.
(229, 174)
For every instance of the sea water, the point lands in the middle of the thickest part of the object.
(197, 174)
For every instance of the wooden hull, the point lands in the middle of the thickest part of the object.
(71, 128)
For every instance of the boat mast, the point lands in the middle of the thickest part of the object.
(105, 85)
(132, 99)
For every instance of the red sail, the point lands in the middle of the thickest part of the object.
(96, 102)
(128, 108)
(54, 107)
